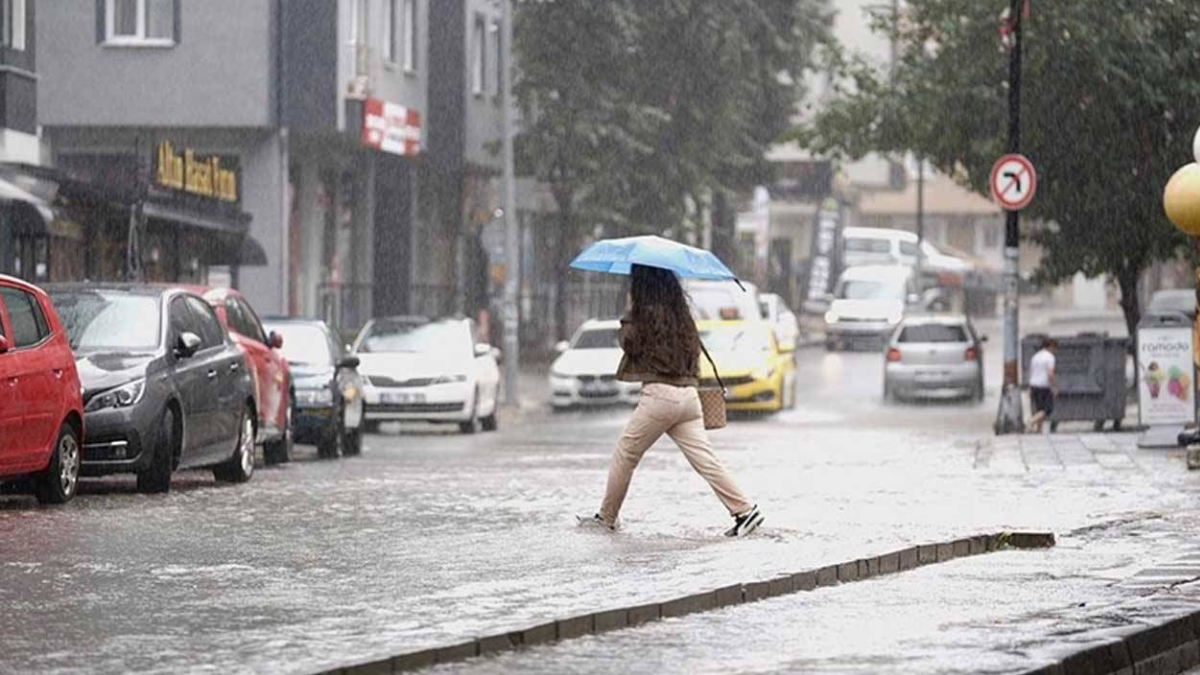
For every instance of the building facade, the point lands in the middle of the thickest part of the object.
(316, 106)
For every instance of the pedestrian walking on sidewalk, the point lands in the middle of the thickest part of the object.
(1043, 385)
(662, 351)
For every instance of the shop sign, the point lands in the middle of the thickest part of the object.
(391, 128)
(1166, 375)
(825, 261)
(211, 176)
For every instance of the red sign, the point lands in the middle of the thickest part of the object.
(1013, 182)
(391, 128)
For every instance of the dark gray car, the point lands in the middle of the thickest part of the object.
(164, 387)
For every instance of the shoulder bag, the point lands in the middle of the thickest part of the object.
(712, 399)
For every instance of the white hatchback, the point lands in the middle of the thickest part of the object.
(431, 371)
(585, 371)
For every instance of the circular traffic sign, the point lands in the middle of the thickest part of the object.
(1013, 182)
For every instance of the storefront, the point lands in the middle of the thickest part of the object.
(173, 216)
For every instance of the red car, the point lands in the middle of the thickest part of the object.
(41, 405)
(268, 369)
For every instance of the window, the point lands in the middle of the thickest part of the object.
(149, 22)
(247, 324)
(12, 14)
(358, 22)
(908, 248)
(600, 338)
(857, 245)
(208, 328)
(25, 316)
(933, 333)
(499, 57)
(109, 320)
(410, 34)
(479, 56)
(391, 32)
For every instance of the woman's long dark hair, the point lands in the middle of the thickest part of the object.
(661, 317)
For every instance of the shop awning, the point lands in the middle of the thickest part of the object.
(31, 215)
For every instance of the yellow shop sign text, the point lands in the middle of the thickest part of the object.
(196, 174)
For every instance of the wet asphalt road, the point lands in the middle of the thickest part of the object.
(431, 537)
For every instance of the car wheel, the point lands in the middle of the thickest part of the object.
(279, 451)
(352, 442)
(240, 467)
(471, 426)
(370, 427)
(58, 483)
(491, 422)
(156, 478)
(331, 445)
(978, 393)
(831, 346)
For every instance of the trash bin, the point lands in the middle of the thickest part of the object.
(1090, 369)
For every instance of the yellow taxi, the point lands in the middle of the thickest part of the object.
(759, 375)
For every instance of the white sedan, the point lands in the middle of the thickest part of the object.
(585, 371)
(431, 371)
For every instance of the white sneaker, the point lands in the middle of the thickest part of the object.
(745, 523)
(595, 522)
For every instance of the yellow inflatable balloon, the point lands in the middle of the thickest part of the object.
(1181, 199)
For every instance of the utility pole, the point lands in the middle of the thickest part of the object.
(512, 232)
(1010, 418)
(920, 219)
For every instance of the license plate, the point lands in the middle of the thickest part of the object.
(932, 377)
(401, 397)
(599, 389)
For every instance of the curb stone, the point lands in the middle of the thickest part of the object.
(1172, 634)
(1167, 648)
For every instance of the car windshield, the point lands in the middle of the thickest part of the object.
(598, 338)
(111, 321)
(735, 339)
(865, 289)
(933, 332)
(718, 303)
(442, 337)
(863, 245)
(303, 345)
(1176, 301)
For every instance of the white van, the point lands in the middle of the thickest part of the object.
(880, 246)
(869, 301)
(714, 300)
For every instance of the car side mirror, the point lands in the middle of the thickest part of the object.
(3, 344)
(348, 362)
(983, 338)
(482, 349)
(187, 345)
(275, 340)
(561, 346)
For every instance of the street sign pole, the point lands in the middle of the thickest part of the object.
(1010, 417)
(512, 243)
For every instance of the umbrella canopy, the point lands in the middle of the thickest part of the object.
(617, 256)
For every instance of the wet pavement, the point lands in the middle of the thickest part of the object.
(431, 537)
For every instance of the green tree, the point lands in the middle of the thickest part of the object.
(1110, 97)
(634, 108)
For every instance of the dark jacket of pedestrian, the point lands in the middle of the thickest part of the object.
(655, 354)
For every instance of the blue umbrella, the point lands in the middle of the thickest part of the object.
(617, 256)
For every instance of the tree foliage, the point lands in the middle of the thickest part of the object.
(634, 109)
(1110, 97)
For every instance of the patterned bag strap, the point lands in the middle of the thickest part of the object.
(714, 366)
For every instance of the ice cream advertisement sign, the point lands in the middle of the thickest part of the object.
(1166, 377)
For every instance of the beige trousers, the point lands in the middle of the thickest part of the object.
(675, 411)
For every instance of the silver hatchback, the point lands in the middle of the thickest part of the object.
(931, 356)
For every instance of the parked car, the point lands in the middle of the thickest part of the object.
(776, 313)
(273, 395)
(758, 374)
(716, 300)
(431, 371)
(164, 386)
(934, 355)
(1173, 300)
(327, 390)
(585, 371)
(868, 303)
(41, 410)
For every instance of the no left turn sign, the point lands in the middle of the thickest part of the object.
(1013, 182)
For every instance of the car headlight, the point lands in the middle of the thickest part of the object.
(447, 379)
(763, 373)
(832, 317)
(321, 396)
(123, 396)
